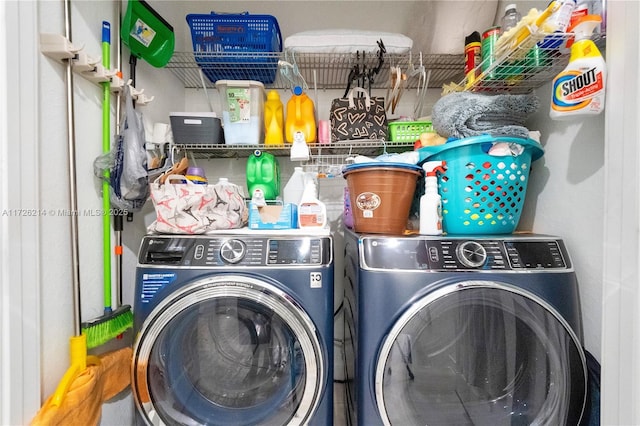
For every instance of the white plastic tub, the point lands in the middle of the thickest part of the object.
(242, 111)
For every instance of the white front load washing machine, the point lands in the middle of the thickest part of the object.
(462, 331)
(234, 330)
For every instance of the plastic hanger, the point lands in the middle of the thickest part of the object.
(422, 94)
(393, 86)
(398, 79)
(423, 84)
(291, 73)
(371, 74)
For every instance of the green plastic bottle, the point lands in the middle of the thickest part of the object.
(300, 116)
(263, 172)
(273, 119)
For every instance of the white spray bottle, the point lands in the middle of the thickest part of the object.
(431, 201)
(312, 213)
(579, 90)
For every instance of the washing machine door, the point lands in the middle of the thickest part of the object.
(481, 353)
(227, 350)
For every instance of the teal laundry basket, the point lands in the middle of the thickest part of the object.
(483, 193)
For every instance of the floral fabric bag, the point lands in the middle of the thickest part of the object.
(189, 208)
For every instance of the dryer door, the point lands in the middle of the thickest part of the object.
(228, 350)
(481, 352)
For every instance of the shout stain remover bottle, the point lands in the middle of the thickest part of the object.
(579, 90)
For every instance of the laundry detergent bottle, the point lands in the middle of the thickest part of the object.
(431, 201)
(579, 90)
(263, 173)
(273, 119)
(300, 117)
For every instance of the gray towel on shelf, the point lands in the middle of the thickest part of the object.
(465, 114)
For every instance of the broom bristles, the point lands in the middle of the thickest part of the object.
(107, 327)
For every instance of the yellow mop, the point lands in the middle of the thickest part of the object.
(82, 402)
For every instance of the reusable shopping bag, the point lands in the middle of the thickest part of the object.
(354, 118)
(189, 208)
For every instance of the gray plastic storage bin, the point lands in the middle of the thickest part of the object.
(199, 128)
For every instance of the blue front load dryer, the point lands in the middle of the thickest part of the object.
(462, 331)
(234, 330)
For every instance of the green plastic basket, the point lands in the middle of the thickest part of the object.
(482, 193)
(408, 131)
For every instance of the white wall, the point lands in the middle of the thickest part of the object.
(621, 286)
(20, 274)
(565, 194)
(564, 198)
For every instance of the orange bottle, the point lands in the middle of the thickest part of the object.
(273, 119)
(300, 116)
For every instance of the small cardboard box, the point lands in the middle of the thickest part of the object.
(273, 216)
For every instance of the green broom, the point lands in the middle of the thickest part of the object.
(112, 323)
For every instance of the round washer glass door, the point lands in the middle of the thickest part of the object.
(480, 353)
(227, 351)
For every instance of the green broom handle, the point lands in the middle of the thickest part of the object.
(106, 146)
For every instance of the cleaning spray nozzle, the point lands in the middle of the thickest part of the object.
(583, 27)
(431, 168)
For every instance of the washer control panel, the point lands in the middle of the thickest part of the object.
(238, 251)
(233, 251)
(471, 254)
(463, 254)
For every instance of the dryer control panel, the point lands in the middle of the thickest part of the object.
(462, 254)
(201, 251)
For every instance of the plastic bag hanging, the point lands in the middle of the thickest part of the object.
(127, 162)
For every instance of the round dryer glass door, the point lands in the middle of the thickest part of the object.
(481, 353)
(227, 352)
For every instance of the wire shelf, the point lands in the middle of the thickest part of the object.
(525, 67)
(331, 70)
(326, 166)
(342, 148)
(519, 70)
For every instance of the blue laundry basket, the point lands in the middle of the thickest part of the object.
(482, 193)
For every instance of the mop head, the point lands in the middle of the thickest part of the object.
(81, 402)
(107, 327)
